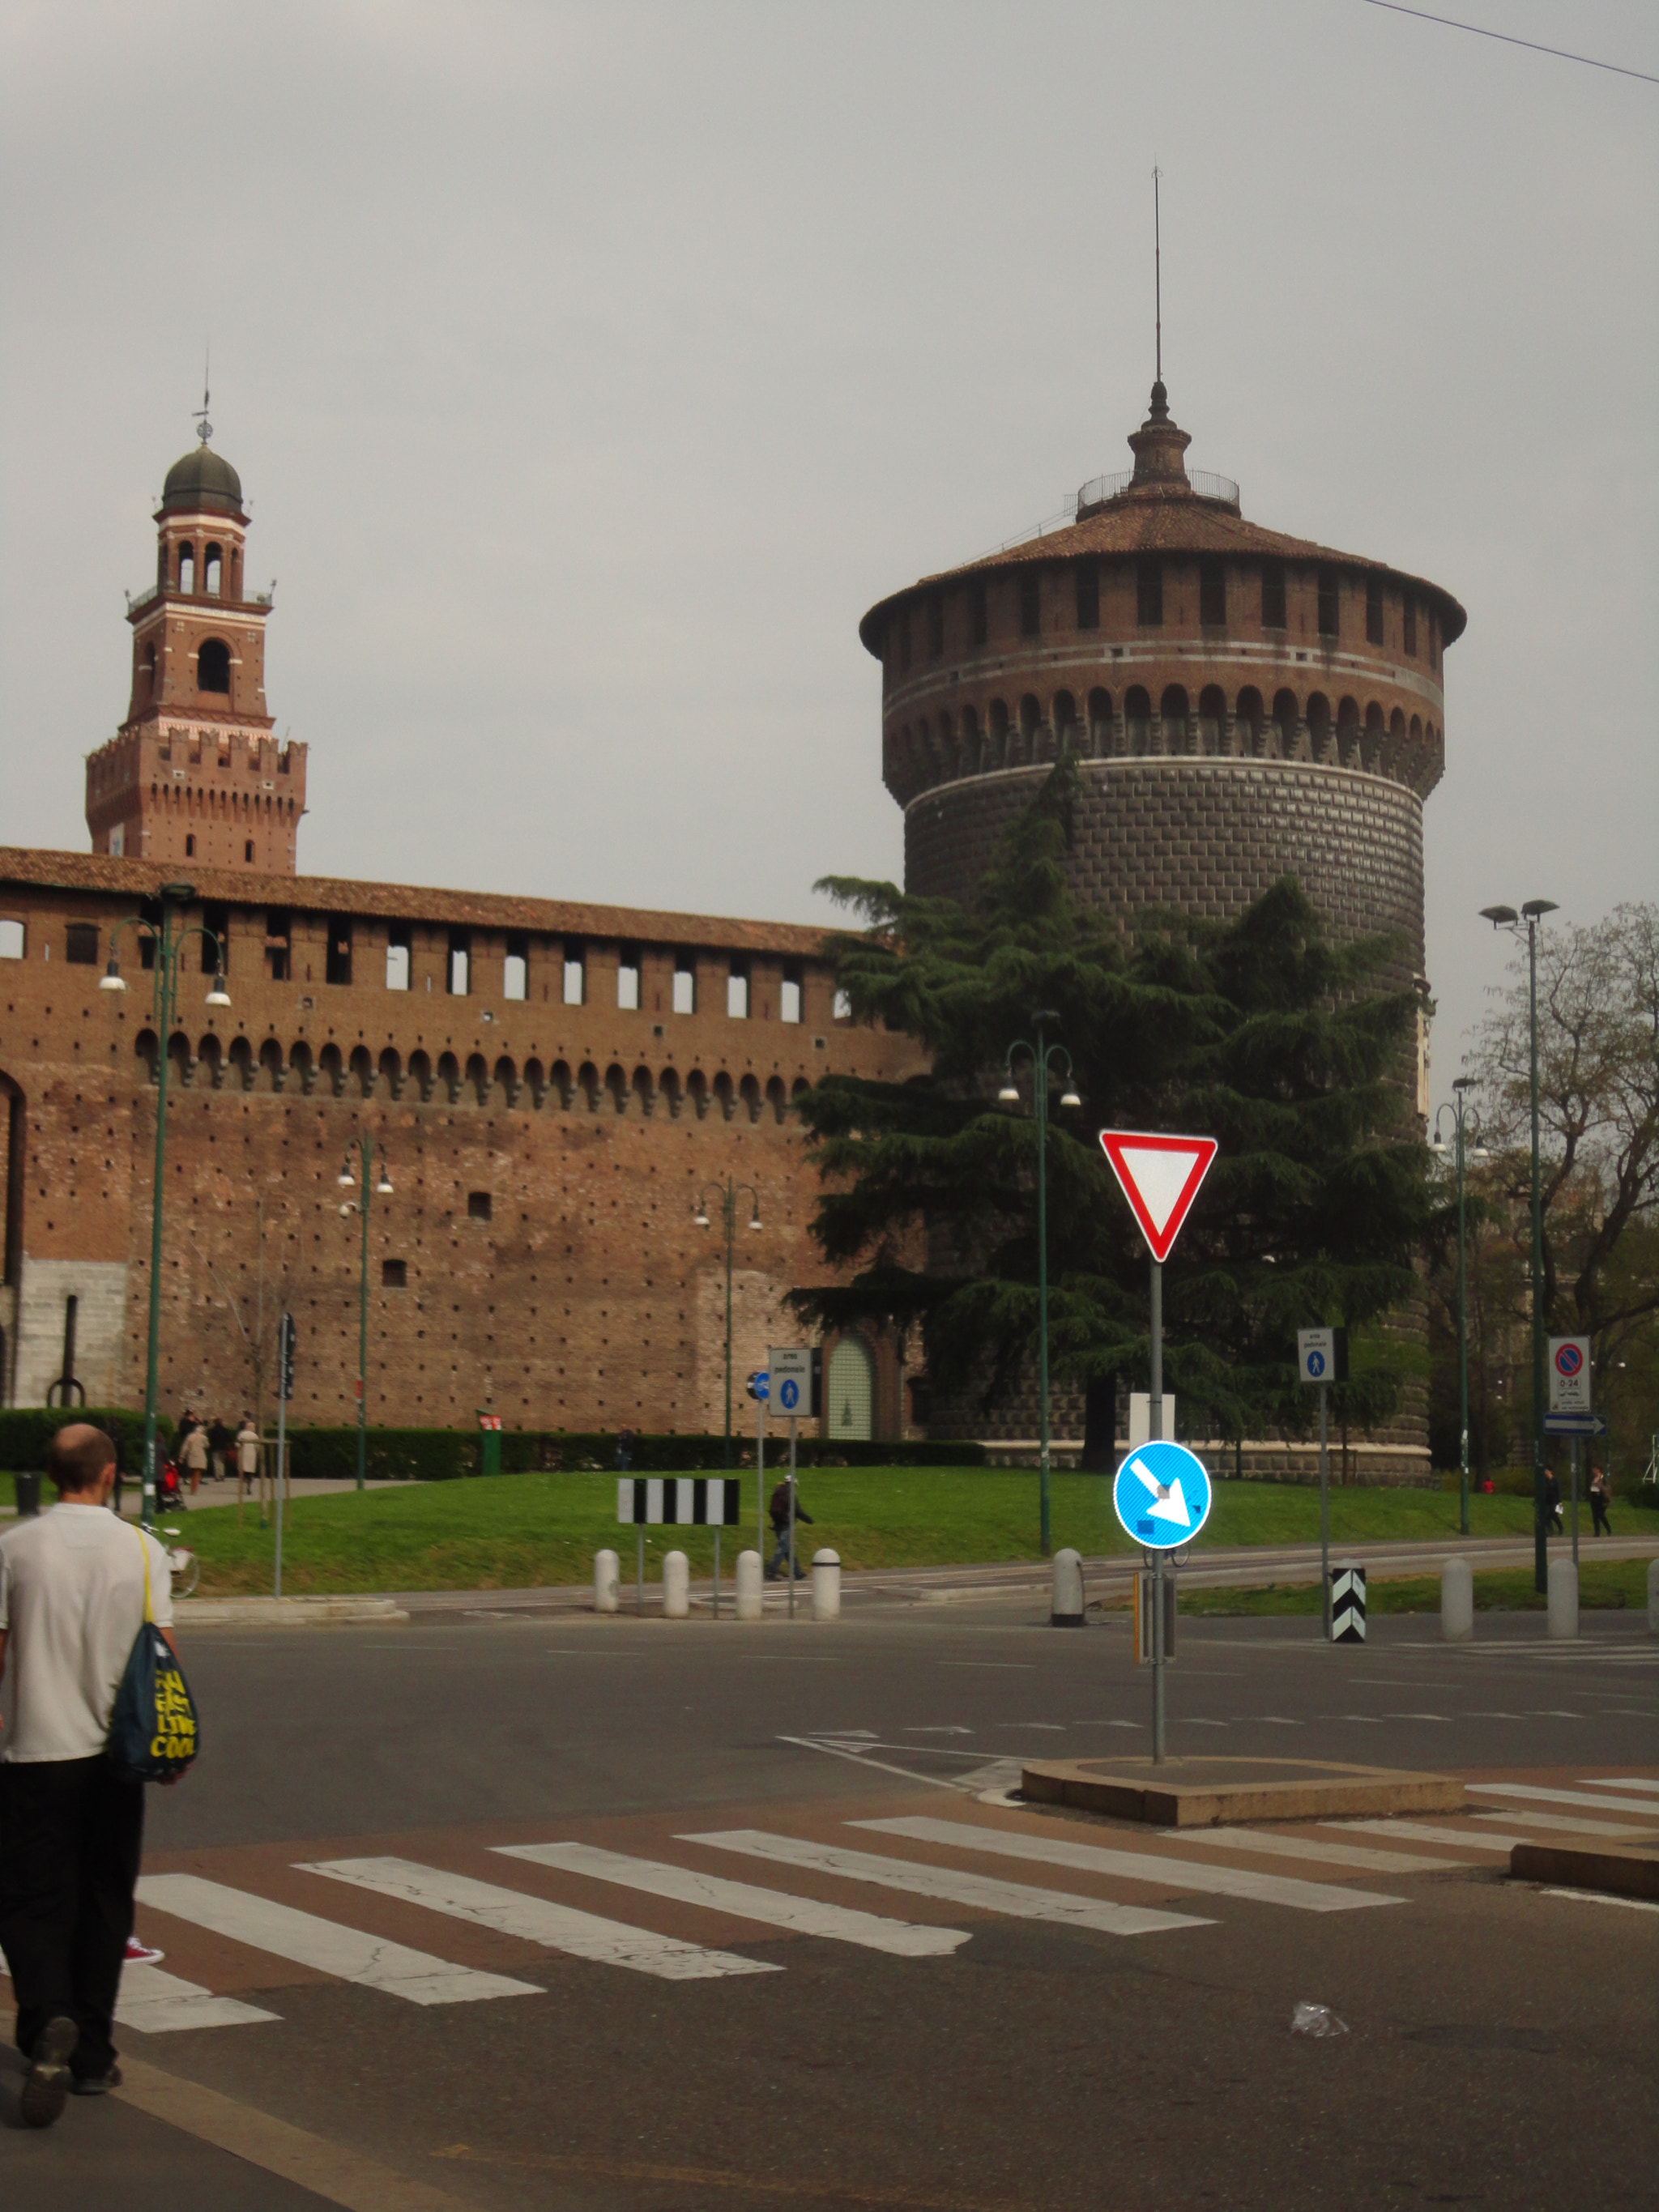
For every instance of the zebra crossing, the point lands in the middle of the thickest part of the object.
(936, 1870)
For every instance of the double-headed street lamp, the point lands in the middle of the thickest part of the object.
(1506, 917)
(367, 1149)
(1040, 1057)
(1467, 1124)
(168, 937)
(728, 1194)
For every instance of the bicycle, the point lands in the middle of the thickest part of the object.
(186, 1568)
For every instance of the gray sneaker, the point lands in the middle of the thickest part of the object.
(47, 2081)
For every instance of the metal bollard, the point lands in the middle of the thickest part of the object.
(676, 1586)
(826, 1585)
(1066, 1606)
(1456, 1602)
(1653, 1598)
(1563, 1599)
(749, 1585)
(606, 1581)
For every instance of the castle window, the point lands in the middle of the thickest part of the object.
(1329, 622)
(1272, 596)
(1408, 623)
(575, 972)
(936, 628)
(216, 947)
(338, 970)
(460, 963)
(1211, 594)
(1373, 610)
(12, 940)
(399, 952)
(685, 984)
(80, 944)
(841, 1010)
(979, 615)
(1149, 591)
(1031, 603)
(789, 995)
(394, 1274)
(190, 846)
(146, 675)
(1086, 577)
(516, 969)
(212, 570)
(737, 990)
(477, 1205)
(213, 666)
(628, 979)
(186, 569)
(248, 852)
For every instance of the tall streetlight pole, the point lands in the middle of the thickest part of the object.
(728, 1194)
(169, 938)
(1462, 1119)
(367, 1149)
(1041, 1055)
(1506, 917)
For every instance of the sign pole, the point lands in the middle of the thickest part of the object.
(760, 1478)
(281, 1452)
(1325, 1505)
(716, 1600)
(1577, 1449)
(1154, 1435)
(639, 1580)
(792, 1516)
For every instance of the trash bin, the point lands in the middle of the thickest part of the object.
(28, 1493)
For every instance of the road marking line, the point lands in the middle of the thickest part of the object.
(1623, 1782)
(725, 2178)
(1134, 1866)
(1573, 1824)
(1015, 1900)
(156, 2002)
(1419, 1831)
(539, 1920)
(1306, 1847)
(745, 1900)
(1597, 1897)
(324, 1945)
(1546, 1797)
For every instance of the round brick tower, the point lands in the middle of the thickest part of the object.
(1244, 705)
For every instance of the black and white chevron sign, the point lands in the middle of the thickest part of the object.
(685, 1501)
(1348, 1604)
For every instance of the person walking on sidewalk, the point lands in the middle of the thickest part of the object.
(779, 1511)
(1600, 1497)
(193, 1456)
(247, 1455)
(72, 1594)
(1551, 1503)
(221, 1441)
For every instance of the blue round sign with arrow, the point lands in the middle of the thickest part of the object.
(1162, 1496)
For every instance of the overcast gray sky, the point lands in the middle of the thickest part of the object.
(591, 369)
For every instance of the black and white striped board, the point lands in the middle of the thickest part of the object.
(1348, 1604)
(685, 1501)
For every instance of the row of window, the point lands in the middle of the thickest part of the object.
(213, 568)
(1214, 605)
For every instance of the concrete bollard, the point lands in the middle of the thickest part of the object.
(1653, 1598)
(1066, 1607)
(749, 1585)
(606, 1579)
(826, 1585)
(1457, 1600)
(1563, 1599)
(676, 1586)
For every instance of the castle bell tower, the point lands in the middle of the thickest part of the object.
(194, 773)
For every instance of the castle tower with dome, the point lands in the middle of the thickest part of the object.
(1244, 704)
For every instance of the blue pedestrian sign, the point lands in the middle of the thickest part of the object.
(789, 1395)
(1162, 1496)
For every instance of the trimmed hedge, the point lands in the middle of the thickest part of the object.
(442, 1454)
(27, 1432)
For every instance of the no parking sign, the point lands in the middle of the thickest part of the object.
(1570, 1383)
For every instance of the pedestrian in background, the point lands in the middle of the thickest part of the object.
(1551, 1502)
(221, 1441)
(625, 1451)
(72, 1598)
(783, 1529)
(193, 1456)
(248, 1454)
(1600, 1497)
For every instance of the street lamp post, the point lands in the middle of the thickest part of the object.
(367, 1149)
(1462, 1119)
(1506, 917)
(169, 938)
(1041, 1055)
(728, 1194)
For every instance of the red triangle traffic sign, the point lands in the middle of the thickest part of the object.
(1160, 1177)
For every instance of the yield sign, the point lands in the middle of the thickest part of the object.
(1160, 1177)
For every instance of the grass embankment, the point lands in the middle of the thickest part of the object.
(520, 1531)
(1604, 1586)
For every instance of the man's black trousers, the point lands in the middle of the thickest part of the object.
(71, 1834)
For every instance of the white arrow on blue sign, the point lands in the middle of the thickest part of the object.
(1161, 1495)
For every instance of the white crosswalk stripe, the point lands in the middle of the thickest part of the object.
(1420, 1831)
(1135, 1866)
(156, 2002)
(1013, 1900)
(1569, 1823)
(324, 1945)
(1625, 1782)
(1309, 1847)
(805, 1916)
(539, 1920)
(1536, 1792)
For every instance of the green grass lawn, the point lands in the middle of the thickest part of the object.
(519, 1531)
(1604, 1585)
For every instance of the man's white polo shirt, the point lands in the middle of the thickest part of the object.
(71, 1602)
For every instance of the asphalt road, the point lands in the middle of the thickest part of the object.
(700, 2048)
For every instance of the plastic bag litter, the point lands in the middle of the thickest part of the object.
(1316, 2020)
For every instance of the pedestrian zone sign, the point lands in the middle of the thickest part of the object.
(790, 1380)
(1160, 1177)
(1162, 1496)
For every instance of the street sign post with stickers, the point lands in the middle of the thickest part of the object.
(1322, 1358)
(759, 1389)
(1571, 1407)
(789, 1383)
(1160, 1175)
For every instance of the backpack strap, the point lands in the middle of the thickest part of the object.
(143, 1549)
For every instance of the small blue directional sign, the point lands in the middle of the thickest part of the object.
(1162, 1496)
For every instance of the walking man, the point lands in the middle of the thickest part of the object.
(71, 1830)
(782, 1517)
(221, 1443)
(1600, 1497)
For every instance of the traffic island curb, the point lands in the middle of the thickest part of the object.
(282, 1612)
(1208, 1793)
(1611, 1870)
